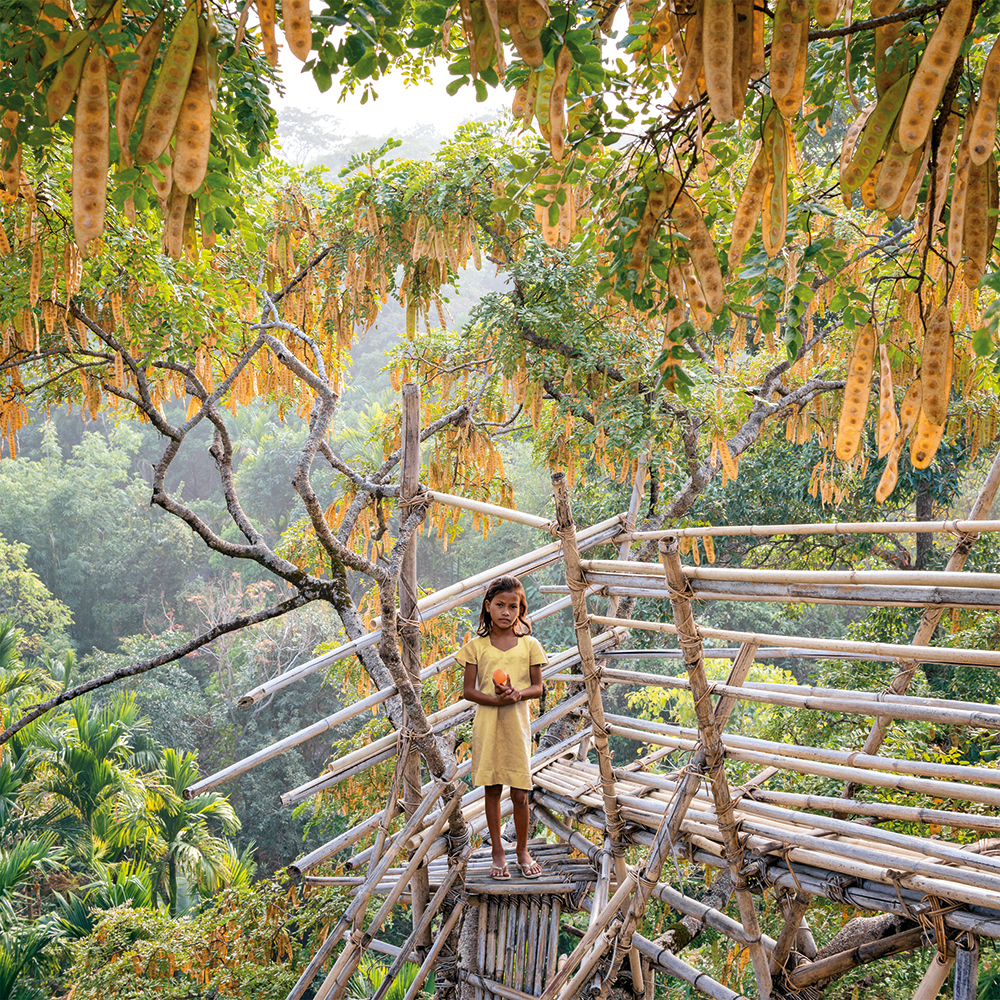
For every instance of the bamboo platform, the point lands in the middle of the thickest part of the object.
(616, 836)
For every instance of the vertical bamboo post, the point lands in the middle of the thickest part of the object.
(638, 490)
(934, 977)
(723, 709)
(931, 616)
(966, 969)
(409, 632)
(690, 642)
(581, 623)
(789, 932)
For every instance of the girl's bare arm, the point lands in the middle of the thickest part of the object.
(535, 691)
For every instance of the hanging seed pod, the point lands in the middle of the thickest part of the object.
(758, 67)
(908, 207)
(64, 86)
(267, 16)
(874, 136)
(194, 128)
(932, 74)
(298, 27)
(35, 278)
(785, 43)
(532, 16)
(134, 83)
(529, 98)
(557, 104)
(827, 11)
(790, 103)
(717, 42)
(749, 208)
(956, 208)
(173, 223)
(691, 223)
(775, 215)
(543, 98)
(693, 62)
(742, 52)
(169, 89)
(994, 205)
(976, 234)
(91, 144)
(856, 393)
(983, 134)
(908, 412)
(894, 173)
(945, 153)
(885, 37)
(934, 361)
(529, 49)
(850, 143)
(927, 437)
(10, 154)
(888, 420)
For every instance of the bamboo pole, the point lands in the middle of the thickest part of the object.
(891, 651)
(928, 769)
(789, 932)
(966, 969)
(336, 980)
(333, 847)
(690, 641)
(837, 965)
(436, 604)
(674, 966)
(881, 810)
(364, 894)
(409, 627)
(846, 595)
(490, 509)
(931, 617)
(499, 989)
(577, 585)
(818, 528)
(424, 971)
(934, 977)
(889, 578)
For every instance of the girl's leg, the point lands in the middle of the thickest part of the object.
(519, 798)
(493, 793)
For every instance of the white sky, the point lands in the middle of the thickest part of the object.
(398, 108)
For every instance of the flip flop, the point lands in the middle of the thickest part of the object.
(500, 873)
(533, 870)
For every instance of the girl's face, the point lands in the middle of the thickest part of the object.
(504, 609)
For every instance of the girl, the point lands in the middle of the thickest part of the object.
(501, 734)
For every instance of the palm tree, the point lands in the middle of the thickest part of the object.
(182, 847)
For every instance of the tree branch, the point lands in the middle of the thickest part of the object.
(222, 628)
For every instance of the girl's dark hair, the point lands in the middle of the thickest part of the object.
(505, 585)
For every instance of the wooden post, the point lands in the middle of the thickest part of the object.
(581, 624)
(690, 642)
(966, 968)
(931, 617)
(793, 921)
(836, 965)
(409, 631)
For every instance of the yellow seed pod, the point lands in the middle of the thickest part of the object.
(169, 89)
(875, 137)
(983, 133)
(529, 49)
(134, 83)
(266, 15)
(908, 412)
(758, 67)
(691, 223)
(532, 16)
(932, 74)
(66, 82)
(91, 141)
(35, 278)
(790, 103)
(785, 43)
(717, 43)
(709, 544)
(173, 224)
(557, 104)
(693, 62)
(888, 419)
(935, 363)
(977, 223)
(959, 193)
(927, 437)
(908, 206)
(848, 146)
(298, 27)
(774, 221)
(194, 128)
(945, 153)
(868, 188)
(856, 393)
(892, 175)
(749, 208)
(885, 36)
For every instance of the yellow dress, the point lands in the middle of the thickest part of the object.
(501, 735)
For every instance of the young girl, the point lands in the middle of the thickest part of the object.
(501, 734)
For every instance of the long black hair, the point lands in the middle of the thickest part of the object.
(503, 585)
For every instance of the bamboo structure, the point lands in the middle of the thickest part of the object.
(621, 839)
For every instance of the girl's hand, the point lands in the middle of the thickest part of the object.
(507, 695)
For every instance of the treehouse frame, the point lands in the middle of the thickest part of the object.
(800, 846)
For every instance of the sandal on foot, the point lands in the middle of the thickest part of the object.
(499, 872)
(531, 870)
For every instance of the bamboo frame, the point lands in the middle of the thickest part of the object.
(888, 650)
(817, 528)
(490, 509)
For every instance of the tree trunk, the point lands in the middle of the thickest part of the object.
(925, 540)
